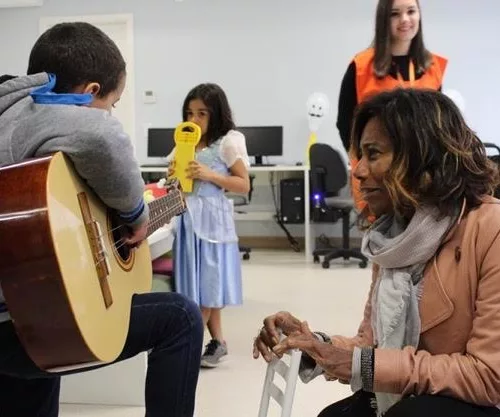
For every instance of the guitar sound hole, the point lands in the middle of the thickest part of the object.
(119, 235)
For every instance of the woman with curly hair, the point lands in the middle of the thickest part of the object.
(429, 341)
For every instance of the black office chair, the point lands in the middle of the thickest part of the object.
(239, 201)
(496, 159)
(328, 176)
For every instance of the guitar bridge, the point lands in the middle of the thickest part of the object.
(98, 248)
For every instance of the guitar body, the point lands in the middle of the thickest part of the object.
(69, 303)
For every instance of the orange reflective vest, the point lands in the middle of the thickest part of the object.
(368, 84)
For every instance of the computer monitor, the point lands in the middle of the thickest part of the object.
(160, 142)
(263, 141)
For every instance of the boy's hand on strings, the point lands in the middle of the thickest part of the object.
(199, 171)
(137, 235)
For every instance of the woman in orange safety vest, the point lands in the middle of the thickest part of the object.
(398, 58)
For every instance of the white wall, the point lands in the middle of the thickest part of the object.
(269, 55)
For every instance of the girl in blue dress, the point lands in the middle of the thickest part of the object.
(207, 262)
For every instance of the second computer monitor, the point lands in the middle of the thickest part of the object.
(160, 142)
(263, 141)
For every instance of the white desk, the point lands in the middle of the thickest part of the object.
(159, 168)
(161, 241)
(122, 383)
(280, 169)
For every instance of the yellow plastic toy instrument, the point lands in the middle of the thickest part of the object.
(312, 140)
(186, 137)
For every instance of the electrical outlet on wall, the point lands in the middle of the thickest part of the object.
(149, 97)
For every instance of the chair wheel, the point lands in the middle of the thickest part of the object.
(363, 264)
(316, 259)
(246, 256)
(325, 264)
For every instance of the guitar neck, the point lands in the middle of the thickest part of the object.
(163, 209)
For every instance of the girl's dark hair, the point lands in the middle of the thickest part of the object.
(221, 118)
(383, 42)
(437, 159)
(78, 53)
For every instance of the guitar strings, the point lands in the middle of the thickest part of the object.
(121, 242)
(124, 225)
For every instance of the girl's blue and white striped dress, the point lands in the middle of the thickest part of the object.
(207, 261)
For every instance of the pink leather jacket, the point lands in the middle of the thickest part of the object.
(459, 350)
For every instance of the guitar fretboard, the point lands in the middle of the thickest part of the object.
(163, 209)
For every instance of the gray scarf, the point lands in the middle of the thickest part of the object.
(401, 250)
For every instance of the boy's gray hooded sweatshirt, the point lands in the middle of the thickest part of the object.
(95, 141)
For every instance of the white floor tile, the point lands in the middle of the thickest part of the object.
(330, 300)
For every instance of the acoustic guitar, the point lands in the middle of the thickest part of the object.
(66, 274)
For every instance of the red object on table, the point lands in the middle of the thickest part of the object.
(157, 192)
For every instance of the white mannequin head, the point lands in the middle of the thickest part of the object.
(318, 106)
